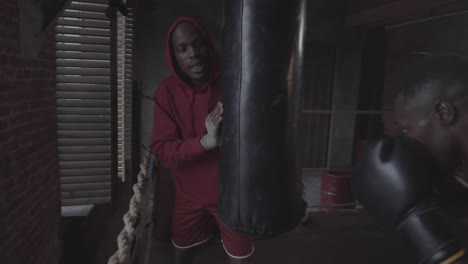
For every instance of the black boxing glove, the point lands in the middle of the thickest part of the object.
(393, 179)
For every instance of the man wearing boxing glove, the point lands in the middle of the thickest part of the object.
(399, 179)
(187, 116)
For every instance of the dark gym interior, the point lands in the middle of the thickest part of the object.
(75, 143)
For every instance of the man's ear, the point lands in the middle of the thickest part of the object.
(445, 112)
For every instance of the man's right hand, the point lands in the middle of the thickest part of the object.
(394, 180)
(211, 139)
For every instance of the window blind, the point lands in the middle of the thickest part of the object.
(84, 103)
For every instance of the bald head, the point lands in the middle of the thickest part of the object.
(431, 106)
(435, 78)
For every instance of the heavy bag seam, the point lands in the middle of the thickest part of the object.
(239, 92)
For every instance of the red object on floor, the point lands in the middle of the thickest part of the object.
(335, 190)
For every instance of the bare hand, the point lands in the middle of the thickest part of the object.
(211, 139)
(217, 114)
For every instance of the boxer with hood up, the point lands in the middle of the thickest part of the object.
(187, 115)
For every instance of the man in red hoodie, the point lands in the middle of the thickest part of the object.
(187, 115)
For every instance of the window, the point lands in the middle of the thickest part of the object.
(85, 102)
(124, 92)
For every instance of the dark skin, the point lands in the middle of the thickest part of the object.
(438, 121)
(191, 54)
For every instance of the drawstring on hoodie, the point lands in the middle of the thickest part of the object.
(192, 117)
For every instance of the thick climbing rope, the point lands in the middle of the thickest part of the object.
(127, 236)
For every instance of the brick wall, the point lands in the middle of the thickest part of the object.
(29, 183)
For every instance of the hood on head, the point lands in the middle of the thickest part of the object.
(212, 50)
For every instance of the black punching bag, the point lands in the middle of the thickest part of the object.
(260, 183)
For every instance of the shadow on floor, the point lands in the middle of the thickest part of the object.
(328, 238)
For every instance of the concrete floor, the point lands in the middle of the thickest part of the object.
(341, 237)
(329, 238)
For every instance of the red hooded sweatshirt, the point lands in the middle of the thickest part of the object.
(179, 123)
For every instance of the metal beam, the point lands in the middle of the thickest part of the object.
(345, 98)
(404, 11)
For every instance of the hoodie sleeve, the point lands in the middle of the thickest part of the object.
(168, 145)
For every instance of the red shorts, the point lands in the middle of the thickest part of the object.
(193, 224)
